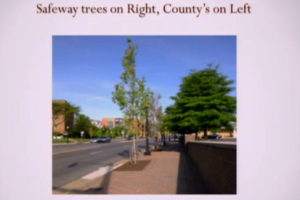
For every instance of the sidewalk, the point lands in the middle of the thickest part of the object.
(169, 171)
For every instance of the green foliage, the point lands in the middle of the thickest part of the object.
(131, 95)
(56, 133)
(98, 133)
(156, 115)
(117, 131)
(82, 123)
(64, 140)
(68, 110)
(104, 131)
(94, 130)
(202, 104)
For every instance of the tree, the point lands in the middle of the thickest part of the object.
(94, 130)
(117, 131)
(144, 105)
(159, 126)
(65, 109)
(82, 123)
(156, 115)
(202, 104)
(131, 94)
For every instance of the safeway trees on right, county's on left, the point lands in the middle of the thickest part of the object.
(202, 104)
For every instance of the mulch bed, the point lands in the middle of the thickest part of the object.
(139, 166)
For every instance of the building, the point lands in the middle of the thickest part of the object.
(58, 119)
(112, 122)
(59, 123)
(97, 123)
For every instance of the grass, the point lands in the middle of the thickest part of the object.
(71, 140)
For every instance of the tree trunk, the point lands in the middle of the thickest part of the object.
(205, 133)
(196, 136)
(164, 139)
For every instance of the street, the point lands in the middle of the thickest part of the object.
(72, 161)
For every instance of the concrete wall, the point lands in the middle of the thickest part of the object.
(217, 165)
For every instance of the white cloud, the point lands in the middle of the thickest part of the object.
(96, 98)
(108, 85)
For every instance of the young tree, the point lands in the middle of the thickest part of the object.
(144, 104)
(131, 94)
(156, 115)
(203, 103)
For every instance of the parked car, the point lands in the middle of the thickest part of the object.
(214, 136)
(58, 137)
(101, 139)
(130, 137)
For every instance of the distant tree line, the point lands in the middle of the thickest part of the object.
(75, 122)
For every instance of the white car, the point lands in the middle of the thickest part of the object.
(58, 137)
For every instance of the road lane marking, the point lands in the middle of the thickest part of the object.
(101, 171)
(74, 150)
(95, 152)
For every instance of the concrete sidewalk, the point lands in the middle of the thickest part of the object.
(169, 171)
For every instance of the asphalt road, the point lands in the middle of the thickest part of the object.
(73, 161)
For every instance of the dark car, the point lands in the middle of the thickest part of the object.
(214, 136)
(101, 139)
(131, 137)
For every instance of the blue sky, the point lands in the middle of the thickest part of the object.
(86, 68)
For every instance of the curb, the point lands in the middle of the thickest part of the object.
(87, 180)
(70, 143)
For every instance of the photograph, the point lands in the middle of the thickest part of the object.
(166, 100)
(144, 114)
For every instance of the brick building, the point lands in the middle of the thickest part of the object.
(112, 122)
(59, 123)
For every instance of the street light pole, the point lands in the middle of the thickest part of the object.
(67, 134)
(147, 152)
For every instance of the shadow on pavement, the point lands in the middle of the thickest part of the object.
(189, 180)
(98, 187)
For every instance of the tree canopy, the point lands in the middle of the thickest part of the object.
(131, 94)
(66, 109)
(82, 123)
(202, 104)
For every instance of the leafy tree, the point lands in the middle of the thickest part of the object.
(203, 103)
(159, 116)
(104, 131)
(94, 130)
(65, 109)
(97, 133)
(82, 123)
(131, 95)
(145, 104)
(156, 115)
(117, 131)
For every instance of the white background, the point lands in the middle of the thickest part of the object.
(268, 52)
